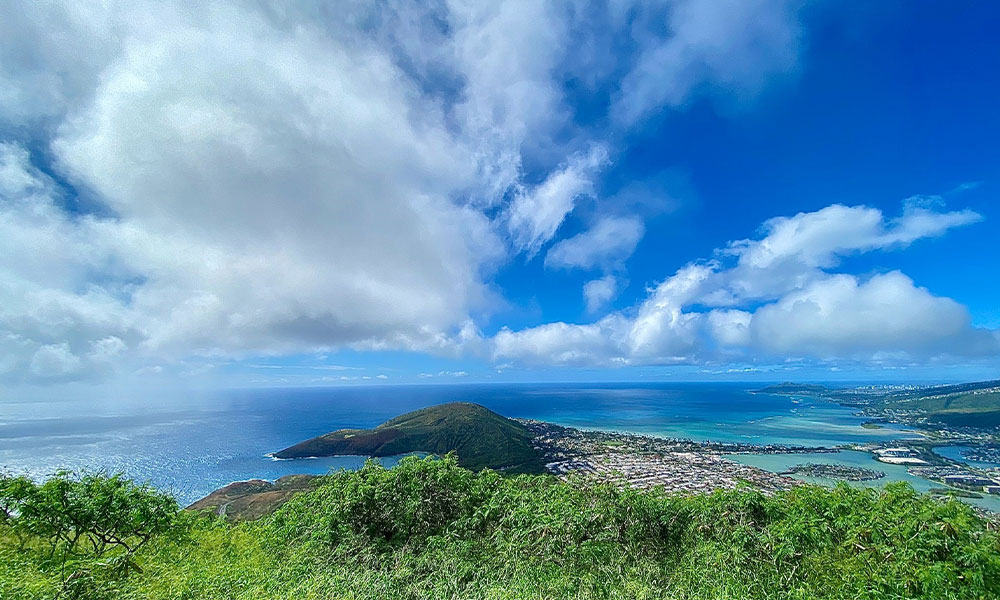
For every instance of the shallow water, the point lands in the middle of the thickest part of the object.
(955, 454)
(778, 463)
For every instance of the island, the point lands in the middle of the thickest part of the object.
(609, 500)
(482, 439)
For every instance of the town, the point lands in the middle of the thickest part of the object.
(641, 461)
(677, 465)
(921, 460)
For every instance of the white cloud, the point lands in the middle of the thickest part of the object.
(535, 215)
(561, 344)
(252, 208)
(606, 244)
(51, 314)
(507, 53)
(273, 223)
(598, 292)
(818, 239)
(785, 304)
(661, 331)
(255, 181)
(56, 361)
(795, 250)
(730, 327)
(844, 317)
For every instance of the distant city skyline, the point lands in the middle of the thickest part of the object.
(234, 195)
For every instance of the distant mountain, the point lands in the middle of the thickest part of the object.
(480, 437)
(942, 396)
(966, 404)
(975, 404)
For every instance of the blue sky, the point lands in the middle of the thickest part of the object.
(244, 195)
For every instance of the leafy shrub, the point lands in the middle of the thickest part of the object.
(385, 508)
(98, 511)
(430, 529)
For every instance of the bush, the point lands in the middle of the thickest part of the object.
(430, 529)
(384, 508)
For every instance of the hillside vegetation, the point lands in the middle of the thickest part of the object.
(478, 436)
(431, 529)
(963, 405)
(968, 404)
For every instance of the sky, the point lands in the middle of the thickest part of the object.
(245, 194)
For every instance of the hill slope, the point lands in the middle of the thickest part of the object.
(968, 404)
(974, 404)
(480, 437)
(249, 500)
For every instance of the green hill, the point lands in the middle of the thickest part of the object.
(975, 404)
(966, 405)
(480, 437)
(936, 393)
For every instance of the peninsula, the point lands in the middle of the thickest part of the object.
(478, 436)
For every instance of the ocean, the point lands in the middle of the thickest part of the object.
(190, 446)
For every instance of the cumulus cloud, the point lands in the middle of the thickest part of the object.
(55, 360)
(254, 179)
(843, 316)
(244, 164)
(795, 250)
(782, 303)
(56, 322)
(561, 344)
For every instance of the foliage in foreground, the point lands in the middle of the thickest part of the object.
(430, 529)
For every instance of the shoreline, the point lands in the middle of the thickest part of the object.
(641, 460)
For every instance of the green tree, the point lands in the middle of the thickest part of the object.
(87, 515)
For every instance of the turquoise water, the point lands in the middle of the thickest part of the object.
(955, 454)
(727, 413)
(193, 445)
(778, 463)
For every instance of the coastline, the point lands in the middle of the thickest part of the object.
(682, 465)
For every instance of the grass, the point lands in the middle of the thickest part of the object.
(431, 529)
